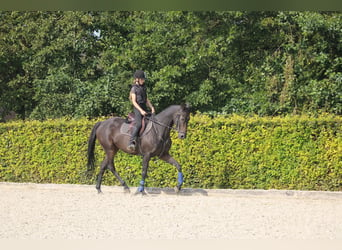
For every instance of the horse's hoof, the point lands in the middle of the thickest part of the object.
(99, 191)
(178, 189)
(127, 190)
(138, 192)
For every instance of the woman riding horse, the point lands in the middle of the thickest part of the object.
(155, 141)
(138, 97)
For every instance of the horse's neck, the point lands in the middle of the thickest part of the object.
(166, 117)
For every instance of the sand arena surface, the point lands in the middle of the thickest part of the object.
(51, 211)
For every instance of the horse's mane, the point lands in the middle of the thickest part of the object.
(170, 109)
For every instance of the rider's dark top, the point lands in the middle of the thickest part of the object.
(141, 94)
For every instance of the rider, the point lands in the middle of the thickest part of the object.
(138, 97)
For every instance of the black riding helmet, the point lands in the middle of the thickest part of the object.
(139, 74)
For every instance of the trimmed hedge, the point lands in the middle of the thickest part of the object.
(302, 153)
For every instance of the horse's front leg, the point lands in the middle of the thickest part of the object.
(169, 159)
(145, 163)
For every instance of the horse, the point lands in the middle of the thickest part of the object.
(154, 142)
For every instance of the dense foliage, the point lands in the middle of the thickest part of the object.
(294, 152)
(76, 64)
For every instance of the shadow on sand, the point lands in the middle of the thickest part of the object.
(172, 191)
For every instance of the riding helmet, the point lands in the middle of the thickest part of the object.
(140, 74)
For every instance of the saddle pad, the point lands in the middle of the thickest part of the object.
(127, 129)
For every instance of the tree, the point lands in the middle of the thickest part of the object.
(80, 63)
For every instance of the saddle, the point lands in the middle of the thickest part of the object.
(128, 126)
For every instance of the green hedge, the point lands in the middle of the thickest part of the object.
(301, 153)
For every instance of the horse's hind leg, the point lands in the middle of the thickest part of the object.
(108, 163)
(111, 167)
(99, 178)
(169, 159)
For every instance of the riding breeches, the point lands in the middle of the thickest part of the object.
(138, 123)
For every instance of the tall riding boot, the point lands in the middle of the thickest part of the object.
(133, 140)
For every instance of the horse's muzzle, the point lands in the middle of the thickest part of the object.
(181, 135)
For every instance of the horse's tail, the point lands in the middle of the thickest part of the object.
(91, 148)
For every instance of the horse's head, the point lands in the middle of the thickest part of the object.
(181, 120)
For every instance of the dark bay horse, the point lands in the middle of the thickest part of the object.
(154, 142)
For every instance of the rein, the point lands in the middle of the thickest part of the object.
(161, 124)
